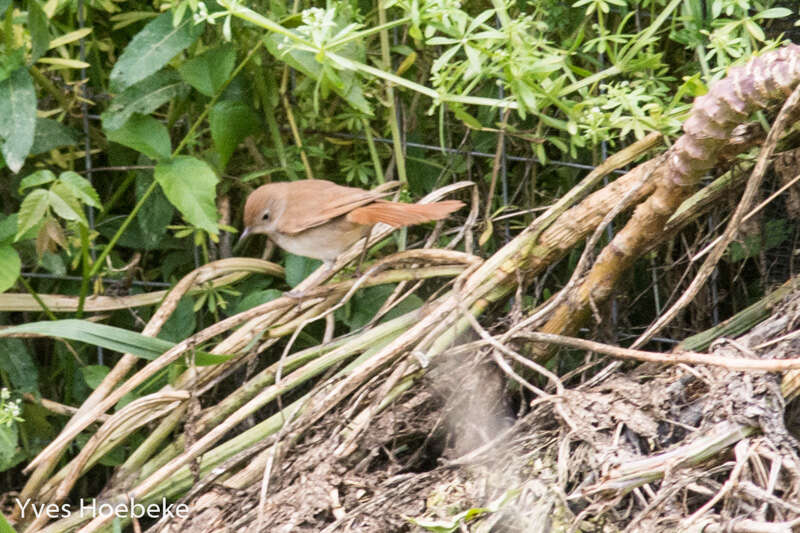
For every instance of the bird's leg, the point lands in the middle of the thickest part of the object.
(363, 252)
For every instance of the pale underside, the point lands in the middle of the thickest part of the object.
(324, 242)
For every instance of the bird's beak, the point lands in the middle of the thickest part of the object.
(244, 235)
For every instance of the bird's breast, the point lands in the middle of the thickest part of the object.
(324, 242)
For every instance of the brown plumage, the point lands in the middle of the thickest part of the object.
(320, 219)
(398, 215)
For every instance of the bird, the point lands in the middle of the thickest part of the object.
(321, 219)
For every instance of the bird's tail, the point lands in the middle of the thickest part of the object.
(399, 214)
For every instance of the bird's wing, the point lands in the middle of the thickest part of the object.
(303, 209)
(398, 214)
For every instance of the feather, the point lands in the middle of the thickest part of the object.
(290, 201)
(398, 214)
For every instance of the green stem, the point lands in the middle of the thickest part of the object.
(262, 21)
(213, 101)
(502, 13)
(590, 80)
(427, 91)
(87, 264)
(701, 57)
(366, 33)
(391, 103)
(107, 249)
(643, 39)
(39, 301)
(8, 28)
(49, 87)
(118, 192)
(265, 85)
(373, 152)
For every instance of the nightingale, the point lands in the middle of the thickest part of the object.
(320, 219)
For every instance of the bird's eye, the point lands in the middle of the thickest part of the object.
(265, 216)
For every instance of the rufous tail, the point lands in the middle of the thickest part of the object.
(398, 214)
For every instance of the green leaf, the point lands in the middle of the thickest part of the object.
(53, 263)
(525, 95)
(152, 48)
(40, 177)
(81, 188)
(69, 37)
(3, 6)
(754, 29)
(5, 527)
(775, 232)
(190, 185)
(156, 212)
(144, 134)
(345, 84)
(10, 267)
(109, 337)
(467, 119)
(17, 117)
(256, 298)
(181, 323)
(114, 457)
(210, 70)
(36, 424)
(231, 122)
(406, 306)
(435, 526)
(38, 28)
(9, 436)
(32, 210)
(94, 375)
(133, 237)
(65, 204)
(11, 61)
(50, 134)
(8, 228)
(773, 13)
(144, 97)
(367, 303)
(64, 63)
(298, 268)
(16, 361)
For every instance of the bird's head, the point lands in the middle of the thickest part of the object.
(262, 209)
